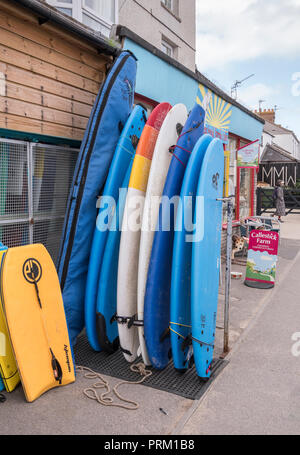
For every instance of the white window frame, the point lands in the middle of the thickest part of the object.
(167, 46)
(165, 2)
(78, 8)
(89, 12)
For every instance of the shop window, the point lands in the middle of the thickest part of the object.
(147, 103)
(245, 192)
(226, 180)
(226, 173)
(232, 147)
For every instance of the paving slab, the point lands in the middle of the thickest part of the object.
(68, 411)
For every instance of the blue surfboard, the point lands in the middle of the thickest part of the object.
(157, 296)
(121, 160)
(110, 113)
(107, 327)
(185, 234)
(206, 258)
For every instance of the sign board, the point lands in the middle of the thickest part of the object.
(248, 156)
(262, 259)
(218, 113)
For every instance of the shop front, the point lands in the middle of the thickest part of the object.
(161, 78)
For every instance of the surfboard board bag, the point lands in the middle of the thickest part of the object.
(112, 107)
(36, 328)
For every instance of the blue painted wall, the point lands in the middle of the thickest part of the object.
(159, 81)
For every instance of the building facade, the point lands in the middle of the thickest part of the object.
(169, 25)
(173, 82)
(277, 134)
(52, 64)
(51, 69)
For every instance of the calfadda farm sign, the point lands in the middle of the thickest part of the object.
(262, 259)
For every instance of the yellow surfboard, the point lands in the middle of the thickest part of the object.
(8, 367)
(35, 317)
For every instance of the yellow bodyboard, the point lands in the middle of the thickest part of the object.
(35, 317)
(8, 367)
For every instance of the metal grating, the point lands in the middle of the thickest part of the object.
(187, 385)
(35, 181)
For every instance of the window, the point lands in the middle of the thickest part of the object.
(245, 192)
(168, 4)
(168, 47)
(171, 5)
(104, 9)
(98, 15)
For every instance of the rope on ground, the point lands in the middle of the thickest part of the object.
(103, 398)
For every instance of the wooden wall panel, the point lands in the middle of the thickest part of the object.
(50, 77)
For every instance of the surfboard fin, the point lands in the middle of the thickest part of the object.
(57, 371)
(104, 342)
(165, 334)
(179, 128)
(134, 141)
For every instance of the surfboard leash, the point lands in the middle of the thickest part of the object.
(56, 368)
(103, 398)
(189, 337)
(173, 147)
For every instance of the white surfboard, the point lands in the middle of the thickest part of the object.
(131, 232)
(161, 159)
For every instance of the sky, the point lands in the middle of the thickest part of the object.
(237, 38)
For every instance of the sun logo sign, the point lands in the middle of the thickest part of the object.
(218, 113)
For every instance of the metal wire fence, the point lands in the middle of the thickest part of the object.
(35, 180)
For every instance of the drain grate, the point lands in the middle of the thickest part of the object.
(187, 385)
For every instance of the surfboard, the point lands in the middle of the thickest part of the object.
(33, 308)
(110, 112)
(123, 155)
(206, 258)
(168, 135)
(131, 230)
(157, 296)
(185, 234)
(8, 367)
(107, 328)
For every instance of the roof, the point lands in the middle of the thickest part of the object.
(275, 130)
(275, 154)
(47, 13)
(122, 31)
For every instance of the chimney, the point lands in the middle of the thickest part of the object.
(266, 114)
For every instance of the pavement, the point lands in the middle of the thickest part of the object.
(258, 392)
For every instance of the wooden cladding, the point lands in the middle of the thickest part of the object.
(49, 78)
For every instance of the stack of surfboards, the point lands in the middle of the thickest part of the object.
(34, 343)
(152, 286)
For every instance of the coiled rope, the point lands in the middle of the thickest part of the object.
(103, 398)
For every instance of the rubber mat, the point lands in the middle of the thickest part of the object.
(187, 385)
